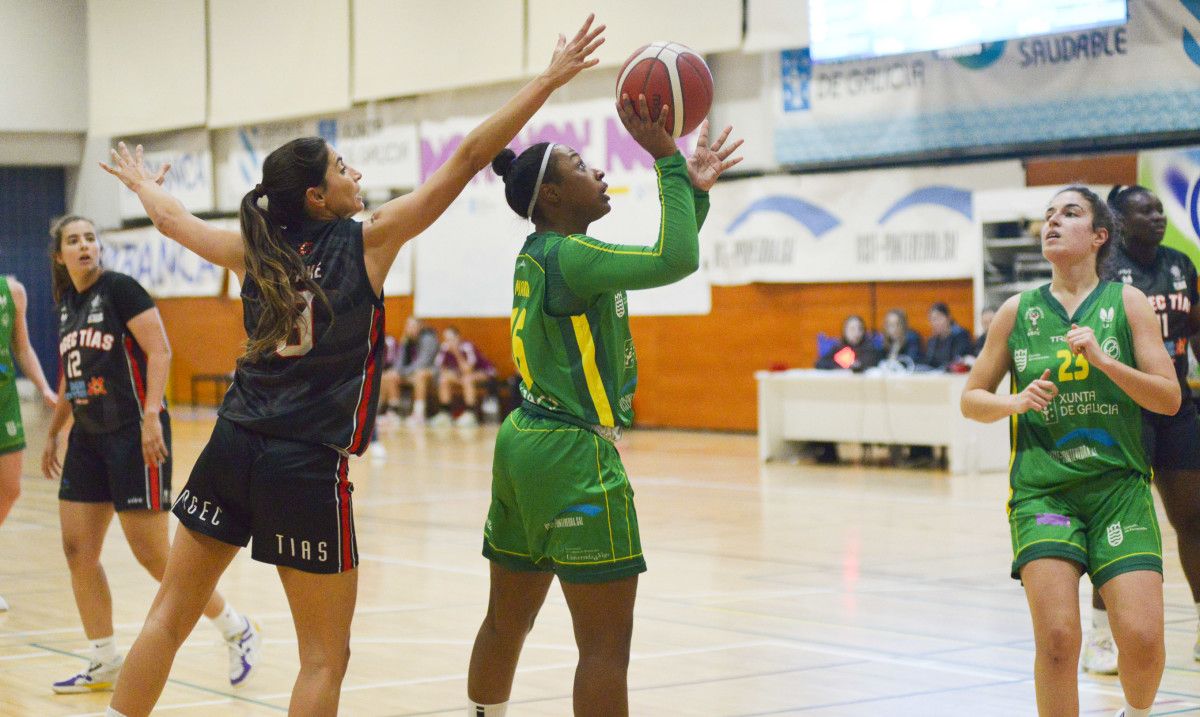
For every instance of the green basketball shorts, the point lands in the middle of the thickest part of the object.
(1107, 525)
(561, 502)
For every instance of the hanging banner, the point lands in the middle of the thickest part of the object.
(373, 140)
(879, 225)
(464, 262)
(1133, 79)
(1174, 175)
(190, 179)
(162, 266)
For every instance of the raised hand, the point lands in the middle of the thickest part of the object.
(131, 169)
(570, 58)
(652, 135)
(709, 161)
(1037, 395)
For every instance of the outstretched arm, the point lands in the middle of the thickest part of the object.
(405, 217)
(223, 247)
(23, 350)
(592, 267)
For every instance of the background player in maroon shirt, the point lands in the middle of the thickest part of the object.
(312, 290)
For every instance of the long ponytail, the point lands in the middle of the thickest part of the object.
(275, 266)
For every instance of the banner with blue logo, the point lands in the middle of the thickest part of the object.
(161, 265)
(1139, 78)
(880, 225)
(1174, 175)
(378, 141)
(190, 179)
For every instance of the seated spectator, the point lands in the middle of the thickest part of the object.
(856, 351)
(898, 339)
(985, 322)
(459, 363)
(413, 366)
(389, 385)
(948, 342)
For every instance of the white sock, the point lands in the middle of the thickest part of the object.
(1135, 712)
(103, 650)
(1100, 620)
(478, 710)
(110, 712)
(229, 622)
(419, 408)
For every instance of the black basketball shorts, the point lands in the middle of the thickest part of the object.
(292, 498)
(109, 467)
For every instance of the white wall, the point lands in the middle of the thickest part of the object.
(43, 50)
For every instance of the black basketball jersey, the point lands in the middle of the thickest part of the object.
(1170, 284)
(322, 385)
(103, 366)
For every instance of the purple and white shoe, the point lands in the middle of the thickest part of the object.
(244, 650)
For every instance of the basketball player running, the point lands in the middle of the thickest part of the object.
(115, 356)
(1168, 278)
(305, 392)
(561, 501)
(1086, 356)
(15, 350)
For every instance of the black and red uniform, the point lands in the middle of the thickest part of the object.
(276, 468)
(105, 373)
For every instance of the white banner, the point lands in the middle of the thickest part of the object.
(880, 225)
(190, 179)
(160, 265)
(1138, 78)
(464, 262)
(373, 140)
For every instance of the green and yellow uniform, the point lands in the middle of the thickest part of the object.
(561, 500)
(12, 432)
(1079, 479)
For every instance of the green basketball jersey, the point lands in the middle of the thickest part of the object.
(1092, 427)
(8, 317)
(570, 316)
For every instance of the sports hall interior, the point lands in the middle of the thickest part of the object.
(775, 587)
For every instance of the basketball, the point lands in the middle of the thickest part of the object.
(670, 74)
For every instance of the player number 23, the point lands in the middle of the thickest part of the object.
(1065, 373)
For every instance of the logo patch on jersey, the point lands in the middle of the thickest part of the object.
(626, 402)
(619, 304)
(96, 302)
(1033, 316)
(1112, 347)
(96, 318)
(1116, 536)
(1050, 414)
(305, 249)
(3, 301)
(1107, 315)
(11, 427)
(630, 355)
(96, 387)
(1021, 358)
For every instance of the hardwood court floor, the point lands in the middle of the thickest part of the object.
(773, 590)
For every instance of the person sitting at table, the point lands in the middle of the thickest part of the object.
(985, 322)
(900, 340)
(948, 342)
(856, 350)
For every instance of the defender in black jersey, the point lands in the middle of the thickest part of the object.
(304, 394)
(1168, 278)
(114, 356)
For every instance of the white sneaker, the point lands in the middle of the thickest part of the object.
(244, 649)
(466, 420)
(1100, 654)
(442, 420)
(98, 677)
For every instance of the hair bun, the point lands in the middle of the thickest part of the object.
(504, 162)
(1115, 192)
